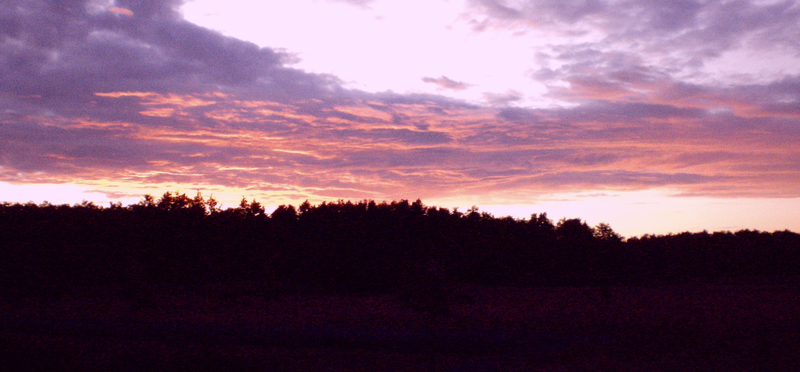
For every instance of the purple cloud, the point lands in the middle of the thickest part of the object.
(502, 99)
(446, 83)
(64, 53)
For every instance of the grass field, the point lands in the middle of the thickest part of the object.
(744, 325)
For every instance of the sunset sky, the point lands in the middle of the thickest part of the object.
(654, 116)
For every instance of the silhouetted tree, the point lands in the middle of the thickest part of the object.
(362, 246)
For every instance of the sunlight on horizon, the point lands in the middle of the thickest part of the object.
(648, 212)
(653, 212)
(55, 194)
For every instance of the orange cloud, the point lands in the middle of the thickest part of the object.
(122, 11)
(365, 112)
(159, 112)
(314, 151)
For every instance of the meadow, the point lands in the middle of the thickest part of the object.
(743, 325)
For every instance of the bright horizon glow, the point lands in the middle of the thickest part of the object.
(629, 214)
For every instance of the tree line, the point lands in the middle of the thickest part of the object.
(355, 247)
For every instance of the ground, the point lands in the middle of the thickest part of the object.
(742, 325)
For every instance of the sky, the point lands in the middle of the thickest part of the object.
(652, 116)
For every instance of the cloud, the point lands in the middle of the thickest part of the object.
(678, 39)
(122, 11)
(446, 83)
(66, 55)
(649, 21)
(502, 99)
(359, 3)
(150, 100)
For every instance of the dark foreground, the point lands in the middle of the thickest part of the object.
(738, 326)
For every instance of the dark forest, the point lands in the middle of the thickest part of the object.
(355, 247)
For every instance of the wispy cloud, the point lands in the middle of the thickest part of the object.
(500, 99)
(446, 83)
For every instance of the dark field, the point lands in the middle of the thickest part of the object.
(746, 325)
